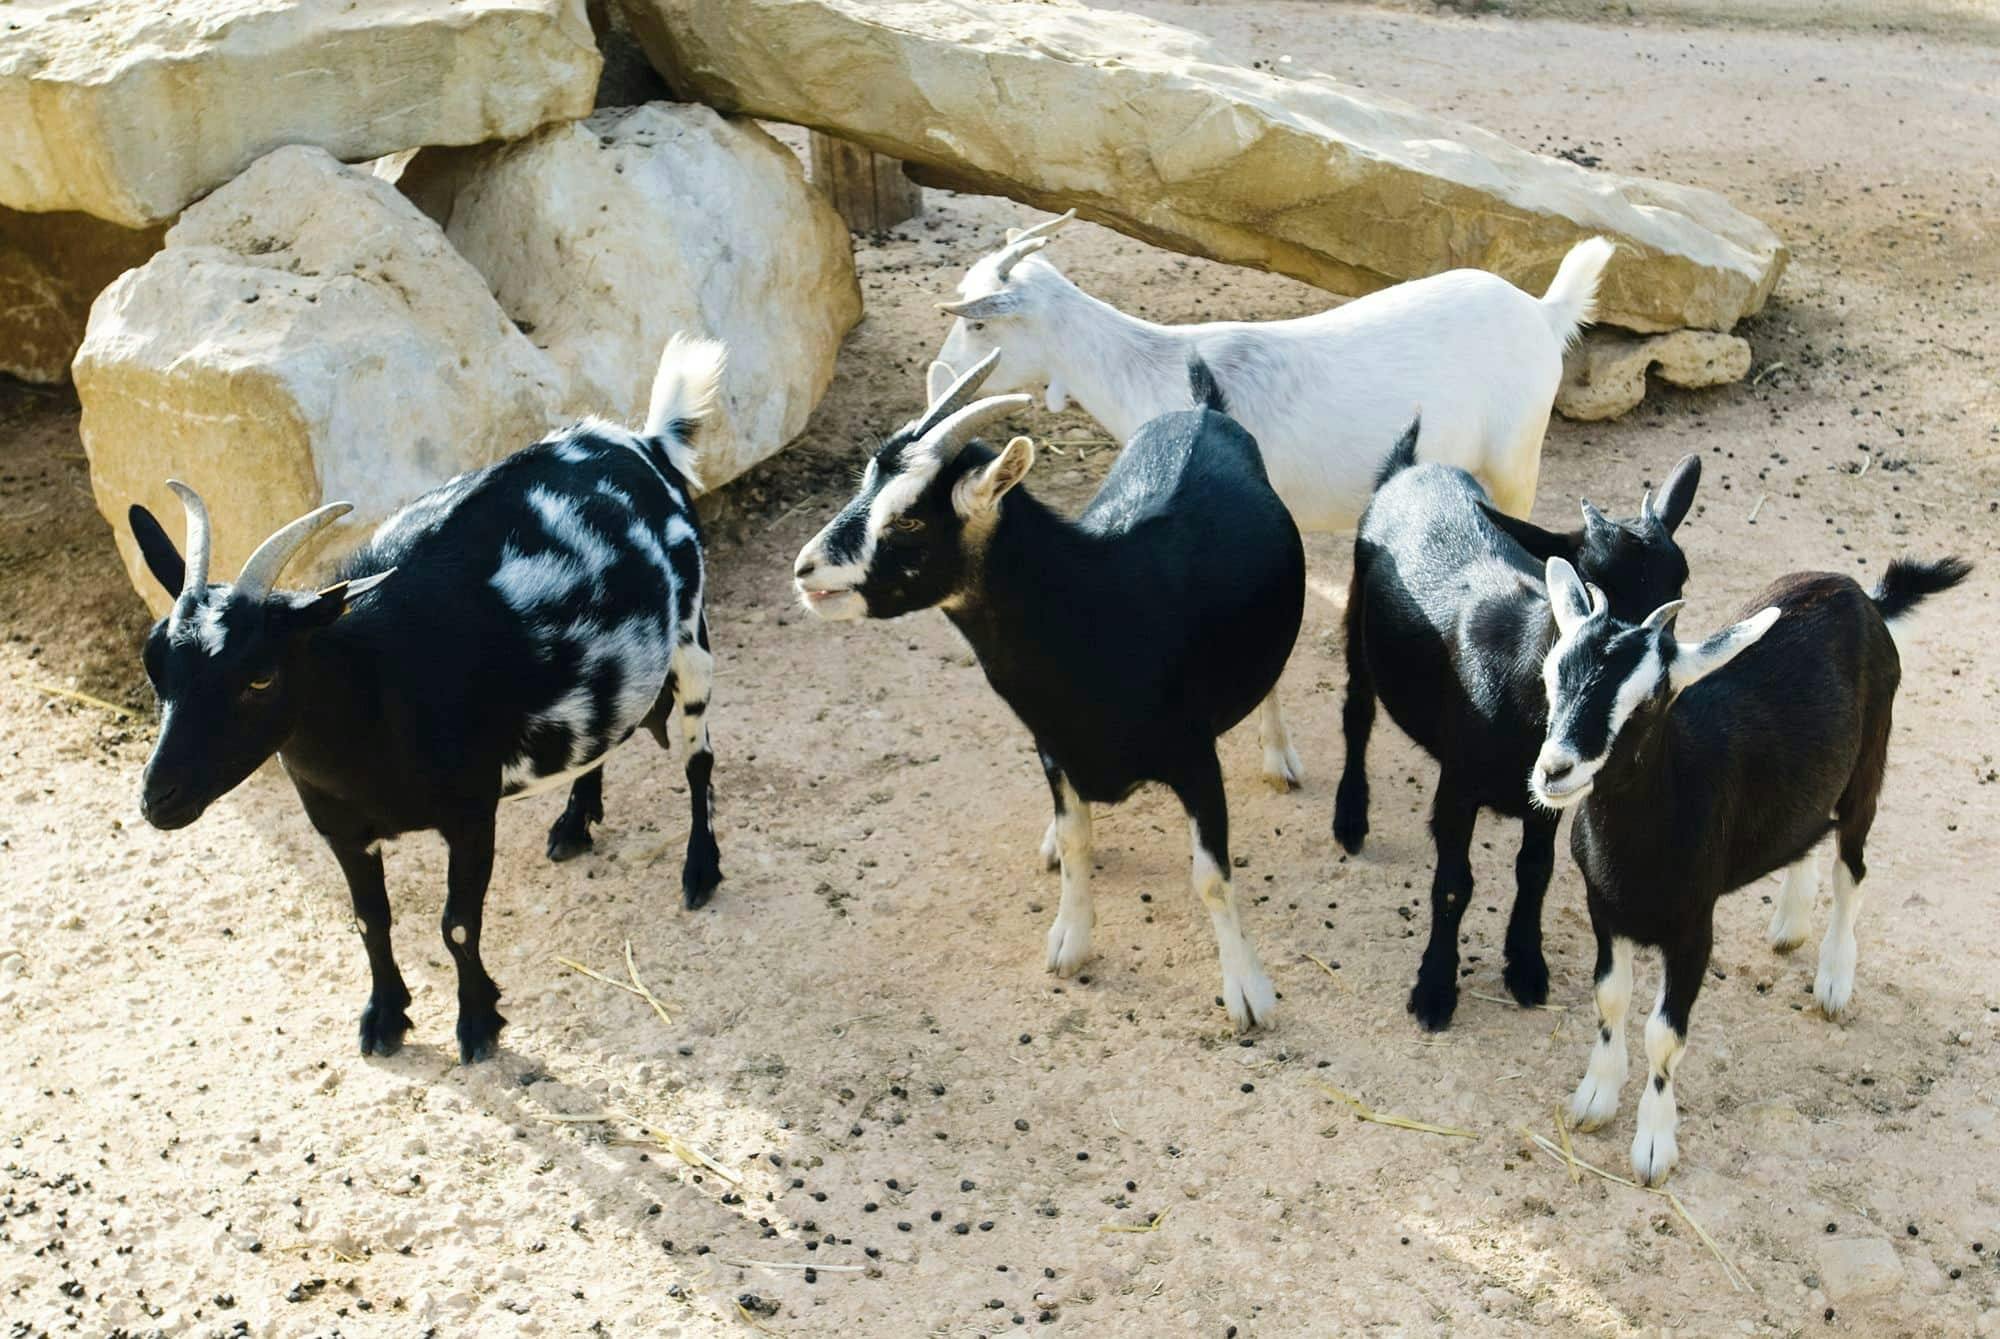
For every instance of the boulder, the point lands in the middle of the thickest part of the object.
(51, 266)
(131, 111)
(306, 336)
(603, 237)
(1605, 374)
(1145, 128)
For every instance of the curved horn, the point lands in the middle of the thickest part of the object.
(1015, 252)
(957, 397)
(197, 537)
(952, 434)
(1045, 227)
(1646, 512)
(261, 573)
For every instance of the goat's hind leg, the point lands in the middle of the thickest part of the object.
(1357, 722)
(1854, 815)
(1076, 917)
(1792, 917)
(1281, 761)
(570, 835)
(1247, 993)
(690, 683)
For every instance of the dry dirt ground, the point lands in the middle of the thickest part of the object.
(861, 1032)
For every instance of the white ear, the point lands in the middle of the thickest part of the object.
(984, 490)
(1569, 601)
(937, 381)
(1694, 662)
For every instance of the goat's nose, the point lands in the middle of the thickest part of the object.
(804, 566)
(1555, 769)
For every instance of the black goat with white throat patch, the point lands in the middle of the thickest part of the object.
(1126, 640)
(1698, 767)
(497, 636)
(1448, 623)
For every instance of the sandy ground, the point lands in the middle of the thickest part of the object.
(861, 1031)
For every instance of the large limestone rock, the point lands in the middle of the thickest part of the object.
(1605, 374)
(1144, 128)
(603, 237)
(306, 336)
(131, 109)
(51, 267)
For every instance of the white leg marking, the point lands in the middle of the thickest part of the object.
(1069, 937)
(1246, 991)
(1835, 984)
(1596, 1098)
(1654, 1149)
(1795, 903)
(1281, 760)
(1052, 845)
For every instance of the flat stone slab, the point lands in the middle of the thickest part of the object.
(1145, 128)
(1604, 376)
(132, 109)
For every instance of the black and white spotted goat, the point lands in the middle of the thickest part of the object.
(497, 636)
(1125, 641)
(1698, 767)
(1448, 624)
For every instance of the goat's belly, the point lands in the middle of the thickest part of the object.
(576, 732)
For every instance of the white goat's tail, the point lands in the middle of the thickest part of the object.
(1571, 302)
(684, 391)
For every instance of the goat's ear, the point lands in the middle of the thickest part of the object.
(1541, 544)
(1694, 662)
(163, 560)
(1677, 496)
(1003, 303)
(324, 607)
(984, 490)
(1569, 600)
(937, 381)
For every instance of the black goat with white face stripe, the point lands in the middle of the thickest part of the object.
(1447, 623)
(497, 636)
(1698, 767)
(1125, 641)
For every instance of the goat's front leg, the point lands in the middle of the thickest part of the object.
(694, 679)
(1281, 760)
(1357, 722)
(1435, 996)
(1596, 1098)
(1527, 971)
(385, 1019)
(1069, 937)
(1246, 991)
(479, 1023)
(1655, 1148)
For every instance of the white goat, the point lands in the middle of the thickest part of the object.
(1326, 396)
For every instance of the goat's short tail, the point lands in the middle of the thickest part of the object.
(1202, 385)
(1403, 454)
(1908, 582)
(1571, 302)
(684, 391)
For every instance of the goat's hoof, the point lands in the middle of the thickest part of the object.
(1350, 820)
(568, 840)
(1786, 943)
(1069, 945)
(700, 876)
(1835, 992)
(1251, 999)
(1433, 1006)
(383, 1029)
(1654, 1153)
(1527, 979)
(1282, 771)
(478, 1035)
(1593, 1103)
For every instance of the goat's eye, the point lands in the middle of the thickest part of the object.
(259, 684)
(979, 325)
(908, 525)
